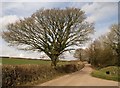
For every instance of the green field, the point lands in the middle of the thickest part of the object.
(0, 60)
(15, 61)
(114, 73)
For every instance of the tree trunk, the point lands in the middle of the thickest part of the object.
(80, 57)
(54, 60)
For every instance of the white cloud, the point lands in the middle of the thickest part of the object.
(5, 20)
(100, 11)
(90, 8)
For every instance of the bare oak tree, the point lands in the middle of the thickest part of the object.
(52, 31)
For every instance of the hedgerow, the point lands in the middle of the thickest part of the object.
(17, 75)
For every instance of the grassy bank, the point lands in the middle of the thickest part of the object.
(109, 73)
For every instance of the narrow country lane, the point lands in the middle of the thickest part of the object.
(80, 78)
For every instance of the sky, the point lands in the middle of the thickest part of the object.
(103, 14)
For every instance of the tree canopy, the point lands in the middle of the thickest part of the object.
(52, 31)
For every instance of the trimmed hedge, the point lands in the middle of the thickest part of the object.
(16, 75)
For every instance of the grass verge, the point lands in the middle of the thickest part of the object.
(109, 73)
